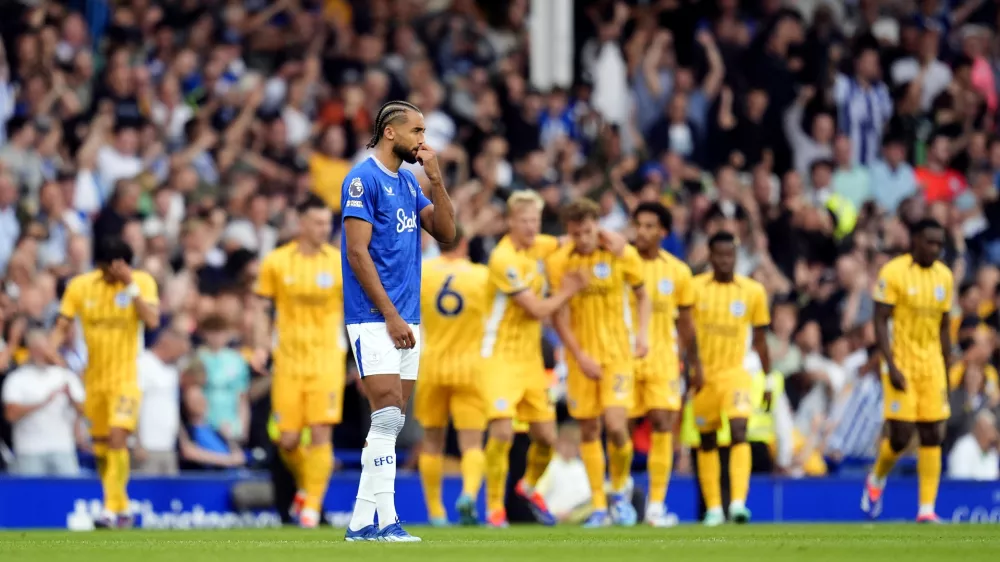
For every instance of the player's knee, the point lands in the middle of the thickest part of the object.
(382, 393)
(434, 438)
(590, 430)
(117, 438)
(709, 442)
(502, 430)
(900, 435)
(618, 435)
(930, 434)
(738, 431)
(662, 421)
(545, 437)
(320, 434)
(288, 440)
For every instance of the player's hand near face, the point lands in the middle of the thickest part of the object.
(590, 368)
(121, 271)
(612, 241)
(428, 159)
(400, 332)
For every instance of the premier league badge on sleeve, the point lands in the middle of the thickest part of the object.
(355, 189)
(324, 280)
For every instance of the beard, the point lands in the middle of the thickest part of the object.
(405, 154)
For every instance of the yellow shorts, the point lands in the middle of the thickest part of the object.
(924, 400)
(657, 384)
(724, 393)
(433, 403)
(112, 408)
(588, 398)
(519, 391)
(299, 402)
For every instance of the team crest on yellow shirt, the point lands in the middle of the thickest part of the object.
(666, 286)
(602, 270)
(737, 309)
(122, 299)
(324, 280)
(513, 277)
(939, 293)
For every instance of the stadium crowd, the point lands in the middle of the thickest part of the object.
(816, 132)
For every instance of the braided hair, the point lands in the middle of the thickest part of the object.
(388, 114)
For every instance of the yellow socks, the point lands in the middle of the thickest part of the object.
(929, 476)
(316, 467)
(592, 455)
(101, 459)
(293, 460)
(537, 461)
(115, 481)
(497, 467)
(619, 465)
(709, 472)
(659, 466)
(739, 472)
(886, 460)
(431, 473)
(473, 465)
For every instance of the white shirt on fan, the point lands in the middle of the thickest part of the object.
(48, 429)
(968, 461)
(160, 413)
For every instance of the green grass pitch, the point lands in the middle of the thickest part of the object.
(770, 543)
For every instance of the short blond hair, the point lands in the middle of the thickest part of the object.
(524, 197)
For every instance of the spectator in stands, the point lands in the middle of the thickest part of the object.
(815, 145)
(892, 177)
(227, 379)
(973, 382)
(201, 446)
(863, 105)
(42, 402)
(975, 455)
(160, 412)
(936, 179)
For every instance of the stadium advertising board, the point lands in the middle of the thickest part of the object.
(202, 502)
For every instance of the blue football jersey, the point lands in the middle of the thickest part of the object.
(392, 203)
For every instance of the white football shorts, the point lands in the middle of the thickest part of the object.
(376, 354)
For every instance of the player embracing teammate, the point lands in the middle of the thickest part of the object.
(384, 210)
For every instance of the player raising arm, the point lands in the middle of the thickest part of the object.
(597, 330)
(453, 308)
(516, 383)
(657, 376)
(113, 303)
(384, 210)
(302, 280)
(728, 308)
(914, 291)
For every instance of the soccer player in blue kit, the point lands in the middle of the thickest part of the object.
(384, 209)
